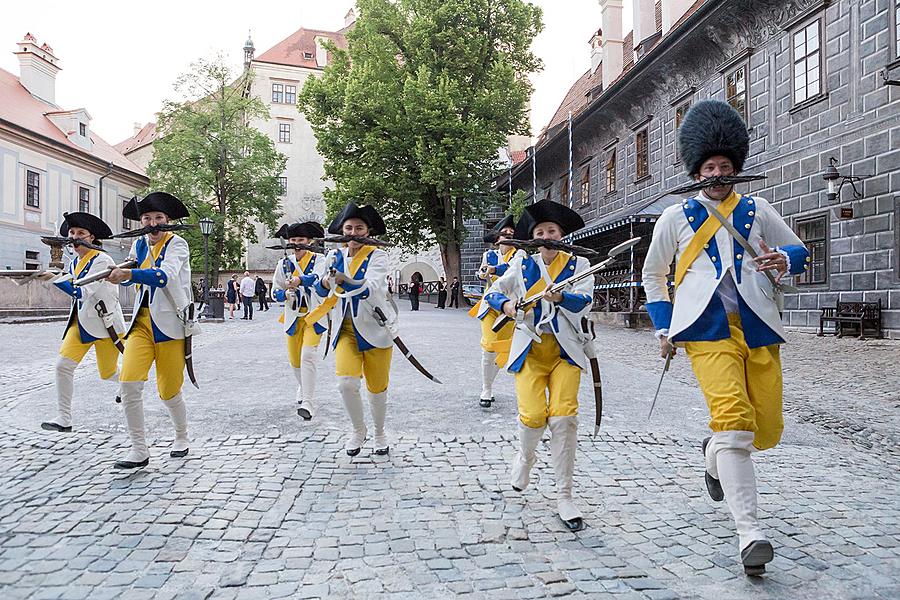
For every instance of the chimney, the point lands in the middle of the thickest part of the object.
(611, 25)
(321, 52)
(644, 20)
(596, 50)
(137, 127)
(38, 68)
(672, 10)
(349, 18)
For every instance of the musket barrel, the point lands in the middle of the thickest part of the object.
(128, 264)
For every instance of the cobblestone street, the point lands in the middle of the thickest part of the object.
(268, 506)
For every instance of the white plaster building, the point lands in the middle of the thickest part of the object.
(51, 162)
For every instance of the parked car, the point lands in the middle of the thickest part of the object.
(472, 293)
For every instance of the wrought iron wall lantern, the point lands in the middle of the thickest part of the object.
(836, 181)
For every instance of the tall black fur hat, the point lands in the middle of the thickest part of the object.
(155, 201)
(544, 211)
(95, 225)
(712, 128)
(508, 222)
(309, 229)
(367, 214)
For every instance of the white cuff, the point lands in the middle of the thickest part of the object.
(661, 333)
(787, 257)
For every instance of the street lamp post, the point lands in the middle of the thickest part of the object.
(206, 227)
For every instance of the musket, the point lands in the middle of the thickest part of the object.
(153, 229)
(344, 239)
(58, 241)
(128, 264)
(525, 304)
(552, 245)
(295, 246)
(721, 180)
(383, 321)
(28, 273)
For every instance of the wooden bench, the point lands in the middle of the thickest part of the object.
(863, 315)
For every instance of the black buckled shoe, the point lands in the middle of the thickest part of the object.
(353, 451)
(713, 485)
(51, 426)
(179, 453)
(486, 402)
(755, 556)
(130, 464)
(304, 413)
(576, 524)
(383, 451)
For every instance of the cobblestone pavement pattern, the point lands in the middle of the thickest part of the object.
(267, 506)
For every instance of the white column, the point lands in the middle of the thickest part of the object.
(644, 19)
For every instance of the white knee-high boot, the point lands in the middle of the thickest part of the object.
(378, 406)
(178, 413)
(307, 383)
(489, 370)
(734, 467)
(133, 407)
(529, 438)
(65, 389)
(563, 444)
(349, 387)
(298, 375)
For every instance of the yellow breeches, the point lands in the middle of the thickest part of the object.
(546, 371)
(499, 342)
(304, 337)
(374, 365)
(141, 352)
(107, 354)
(742, 385)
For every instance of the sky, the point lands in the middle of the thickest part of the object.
(120, 63)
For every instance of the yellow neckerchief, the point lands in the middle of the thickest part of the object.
(84, 260)
(505, 258)
(553, 270)
(155, 250)
(301, 264)
(349, 270)
(703, 235)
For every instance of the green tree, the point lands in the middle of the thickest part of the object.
(210, 156)
(411, 116)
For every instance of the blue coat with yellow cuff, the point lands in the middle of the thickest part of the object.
(697, 313)
(163, 283)
(300, 301)
(562, 319)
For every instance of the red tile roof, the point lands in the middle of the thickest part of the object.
(21, 109)
(145, 136)
(293, 49)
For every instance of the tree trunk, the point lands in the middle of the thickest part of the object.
(452, 261)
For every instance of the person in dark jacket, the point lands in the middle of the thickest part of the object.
(414, 293)
(442, 293)
(262, 292)
(454, 293)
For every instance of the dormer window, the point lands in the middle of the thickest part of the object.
(308, 55)
(82, 129)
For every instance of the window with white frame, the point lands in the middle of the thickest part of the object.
(897, 28)
(680, 111)
(807, 43)
(290, 94)
(586, 185)
(84, 199)
(82, 129)
(284, 133)
(611, 172)
(126, 223)
(736, 90)
(32, 189)
(277, 93)
(282, 181)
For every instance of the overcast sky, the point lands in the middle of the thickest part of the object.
(120, 62)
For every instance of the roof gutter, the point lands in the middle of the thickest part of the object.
(655, 54)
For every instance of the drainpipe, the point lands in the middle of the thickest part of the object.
(109, 167)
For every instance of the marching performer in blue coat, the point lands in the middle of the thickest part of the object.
(293, 283)
(726, 311)
(95, 319)
(547, 351)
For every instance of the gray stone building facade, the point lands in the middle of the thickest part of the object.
(813, 78)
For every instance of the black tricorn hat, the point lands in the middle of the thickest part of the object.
(95, 225)
(508, 222)
(712, 128)
(309, 229)
(547, 210)
(155, 201)
(367, 214)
